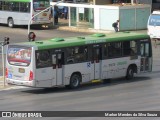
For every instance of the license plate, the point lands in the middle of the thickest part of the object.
(21, 70)
(44, 14)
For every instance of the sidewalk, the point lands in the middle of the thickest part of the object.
(63, 24)
(8, 87)
(2, 85)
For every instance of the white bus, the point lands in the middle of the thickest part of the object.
(154, 25)
(19, 12)
(75, 60)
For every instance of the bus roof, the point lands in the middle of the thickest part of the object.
(84, 40)
(156, 12)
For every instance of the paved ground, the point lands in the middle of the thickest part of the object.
(5, 86)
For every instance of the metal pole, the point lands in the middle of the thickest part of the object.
(3, 65)
(69, 16)
(38, 14)
(132, 2)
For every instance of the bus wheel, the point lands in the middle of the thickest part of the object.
(10, 23)
(130, 73)
(74, 81)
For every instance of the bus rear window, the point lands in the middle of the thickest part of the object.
(39, 5)
(154, 20)
(19, 55)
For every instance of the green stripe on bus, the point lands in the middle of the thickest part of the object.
(18, 0)
(90, 39)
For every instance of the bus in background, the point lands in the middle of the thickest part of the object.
(19, 12)
(154, 25)
(75, 60)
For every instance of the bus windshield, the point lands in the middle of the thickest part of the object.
(19, 55)
(39, 5)
(154, 20)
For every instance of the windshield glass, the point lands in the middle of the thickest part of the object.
(154, 20)
(19, 55)
(39, 5)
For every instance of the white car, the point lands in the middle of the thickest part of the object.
(154, 25)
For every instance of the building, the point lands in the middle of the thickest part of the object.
(154, 3)
(132, 16)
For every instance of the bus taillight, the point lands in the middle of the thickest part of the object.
(30, 76)
(6, 72)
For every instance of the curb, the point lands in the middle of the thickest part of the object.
(81, 29)
(7, 86)
(1, 78)
(2, 86)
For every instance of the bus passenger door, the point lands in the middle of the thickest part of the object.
(146, 56)
(57, 62)
(96, 61)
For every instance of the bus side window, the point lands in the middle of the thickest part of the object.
(126, 48)
(114, 49)
(54, 59)
(70, 55)
(15, 6)
(77, 54)
(145, 49)
(110, 48)
(0, 5)
(105, 51)
(43, 59)
(24, 7)
(60, 60)
(118, 49)
(129, 48)
(81, 54)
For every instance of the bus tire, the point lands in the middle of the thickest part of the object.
(130, 73)
(10, 23)
(75, 81)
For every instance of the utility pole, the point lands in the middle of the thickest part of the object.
(5, 42)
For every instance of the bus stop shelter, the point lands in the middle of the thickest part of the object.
(101, 17)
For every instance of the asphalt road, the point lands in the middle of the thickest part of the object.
(20, 33)
(140, 94)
